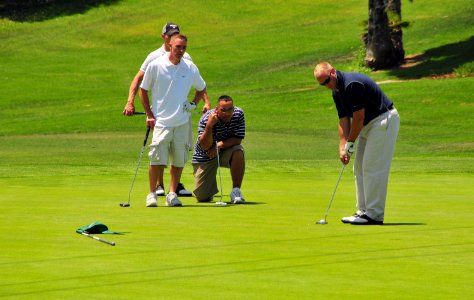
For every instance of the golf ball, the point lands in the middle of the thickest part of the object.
(221, 203)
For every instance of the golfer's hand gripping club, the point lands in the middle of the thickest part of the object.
(350, 149)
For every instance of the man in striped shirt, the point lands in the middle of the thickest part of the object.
(221, 129)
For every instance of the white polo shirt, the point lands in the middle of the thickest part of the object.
(158, 53)
(170, 85)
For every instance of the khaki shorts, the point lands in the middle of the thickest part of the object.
(169, 142)
(205, 174)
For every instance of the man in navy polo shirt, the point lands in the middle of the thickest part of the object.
(221, 129)
(368, 116)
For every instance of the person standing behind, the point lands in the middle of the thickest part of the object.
(221, 129)
(169, 29)
(368, 116)
(170, 78)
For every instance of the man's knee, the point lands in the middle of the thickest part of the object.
(202, 197)
(237, 157)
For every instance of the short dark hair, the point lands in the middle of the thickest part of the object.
(225, 98)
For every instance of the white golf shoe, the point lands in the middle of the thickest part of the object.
(182, 191)
(366, 220)
(351, 219)
(151, 200)
(236, 196)
(172, 200)
(160, 191)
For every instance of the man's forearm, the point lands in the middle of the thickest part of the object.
(356, 125)
(134, 85)
(198, 95)
(145, 102)
(206, 141)
(225, 144)
(344, 129)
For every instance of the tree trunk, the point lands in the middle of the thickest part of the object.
(384, 48)
(394, 10)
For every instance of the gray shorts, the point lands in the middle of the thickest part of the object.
(205, 174)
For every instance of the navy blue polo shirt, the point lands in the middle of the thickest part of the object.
(356, 91)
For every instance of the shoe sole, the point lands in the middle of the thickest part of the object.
(368, 223)
(173, 205)
(349, 221)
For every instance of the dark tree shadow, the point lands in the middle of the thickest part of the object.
(437, 62)
(37, 11)
(403, 224)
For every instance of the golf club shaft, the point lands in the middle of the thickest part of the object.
(98, 239)
(139, 161)
(219, 168)
(139, 113)
(334, 192)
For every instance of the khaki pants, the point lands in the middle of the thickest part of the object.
(373, 158)
(205, 174)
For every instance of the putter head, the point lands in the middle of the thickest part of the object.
(322, 222)
(124, 204)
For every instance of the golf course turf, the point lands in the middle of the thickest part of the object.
(68, 156)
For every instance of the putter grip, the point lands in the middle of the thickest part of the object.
(146, 136)
(104, 241)
(107, 242)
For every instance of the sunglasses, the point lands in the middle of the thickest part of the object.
(327, 79)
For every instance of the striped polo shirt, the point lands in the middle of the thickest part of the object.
(221, 132)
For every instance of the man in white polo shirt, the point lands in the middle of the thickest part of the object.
(167, 32)
(169, 29)
(170, 78)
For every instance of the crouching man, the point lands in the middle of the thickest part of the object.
(220, 133)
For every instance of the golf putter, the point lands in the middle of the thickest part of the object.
(323, 221)
(136, 171)
(98, 239)
(219, 169)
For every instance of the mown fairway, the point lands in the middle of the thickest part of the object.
(67, 158)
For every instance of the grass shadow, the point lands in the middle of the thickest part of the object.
(403, 224)
(18, 11)
(213, 204)
(437, 62)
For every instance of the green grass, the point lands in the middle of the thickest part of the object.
(68, 158)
